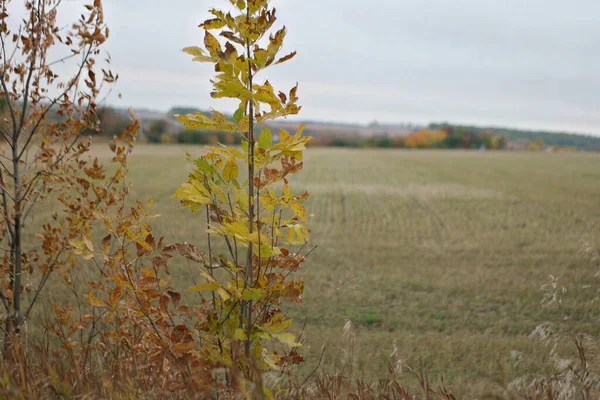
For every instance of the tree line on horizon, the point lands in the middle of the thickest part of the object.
(112, 120)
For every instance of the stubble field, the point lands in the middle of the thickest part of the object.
(437, 256)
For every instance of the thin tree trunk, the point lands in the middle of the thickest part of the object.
(247, 305)
(16, 261)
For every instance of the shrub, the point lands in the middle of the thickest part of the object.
(165, 138)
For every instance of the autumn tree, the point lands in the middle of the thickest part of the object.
(253, 210)
(425, 138)
(42, 119)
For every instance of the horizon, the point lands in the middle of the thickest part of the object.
(301, 119)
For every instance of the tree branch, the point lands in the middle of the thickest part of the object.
(27, 84)
(5, 301)
(42, 284)
(56, 99)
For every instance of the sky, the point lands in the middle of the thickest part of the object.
(519, 63)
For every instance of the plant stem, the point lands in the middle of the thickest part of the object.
(247, 305)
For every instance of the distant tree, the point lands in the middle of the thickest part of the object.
(339, 142)
(500, 142)
(425, 139)
(110, 122)
(455, 138)
(540, 143)
(562, 139)
(192, 137)
(486, 139)
(156, 130)
(400, 142)
(537, 145)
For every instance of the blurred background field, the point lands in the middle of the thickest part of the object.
(437, 256)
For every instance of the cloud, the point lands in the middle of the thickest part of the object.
(519, 63)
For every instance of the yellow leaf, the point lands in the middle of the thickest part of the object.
(239, 334)
(299, 210)
(145, 245)
(267, 251)
(78, 244)
(287, 196)
(231, 87)
(235, 152)
(114, 296)
(213, 286)
(284, 136)
(207, 276)
(148, 273)
(265, 94)
(265, 140)
(278, 323)
(194, 51)
(191, 193)
(299, 131)
(212, 44)
(286, 338)
(215, 23)
(94, 300)
(121, 282)
(253, 294)
(290, 235)
(223, 293)
(201, 121)
(88, 244)
(230, 172)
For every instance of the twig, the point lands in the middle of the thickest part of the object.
(317, 367)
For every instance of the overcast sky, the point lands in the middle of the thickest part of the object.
(522, 63)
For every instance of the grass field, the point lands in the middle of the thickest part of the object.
(441, 254)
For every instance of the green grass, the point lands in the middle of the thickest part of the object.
(441, 254)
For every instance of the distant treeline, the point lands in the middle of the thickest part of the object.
(447, 136)
(435, 136)
(441, 138)
(554, 139)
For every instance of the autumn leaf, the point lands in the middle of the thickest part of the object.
(286, 338)
(265, 140)
(215, 23)
(239, 334)
(114, 296)
(286, 58)
(183, 348)
(299, 210)
(95, 300)
(278, 323)
(212, 44)
(230, 172)
(253, 294)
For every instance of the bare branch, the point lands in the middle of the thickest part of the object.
(56, 99)
(42, 283)
(13, 115)
(5, 210)
(61, 60)
(33, 56)
(5, 301)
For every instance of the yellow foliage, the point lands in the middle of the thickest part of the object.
(165, 138)
(424, 138)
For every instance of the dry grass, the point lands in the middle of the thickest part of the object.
(439, 255)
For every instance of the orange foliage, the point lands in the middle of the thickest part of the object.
(424, 138)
